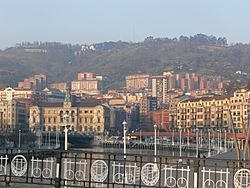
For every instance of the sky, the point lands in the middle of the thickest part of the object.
(93, 21)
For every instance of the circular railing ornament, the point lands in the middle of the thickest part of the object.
(241, 178)
(19, 165)
(36, 173)
(150, 174)
(99, 171)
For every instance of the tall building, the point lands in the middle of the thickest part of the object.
(135, 82)
(160, 87)
(146, 104)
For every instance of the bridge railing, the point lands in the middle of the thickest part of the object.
(100, 169)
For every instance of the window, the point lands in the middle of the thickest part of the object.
(85, 120)
(85, 128)
(54, 119)
(91, 120)
(73, 116)
(61, 116)
(98, 120)
(49, 120)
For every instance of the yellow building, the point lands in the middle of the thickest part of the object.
(204, 112)
(86, 116)
(215, 112)
(13, 116)
(239, 105)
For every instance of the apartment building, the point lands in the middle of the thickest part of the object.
(136, 82)
(86, 83)
(13, 116)
(36, 82)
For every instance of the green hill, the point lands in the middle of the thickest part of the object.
(200, 53)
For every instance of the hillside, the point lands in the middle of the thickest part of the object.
(200, 53)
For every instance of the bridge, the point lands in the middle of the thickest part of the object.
(99, 169)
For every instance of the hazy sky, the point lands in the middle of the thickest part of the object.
(91, 21)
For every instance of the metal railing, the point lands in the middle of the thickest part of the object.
(100, 169)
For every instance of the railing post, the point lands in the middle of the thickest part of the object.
(58, 170)
(196, 172)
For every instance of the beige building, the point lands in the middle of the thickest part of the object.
(21, 93)
(205, 112)
(135, 82)
(87, 116)
(13, 116)
(90, 87)
(215, 112)
(160, 87)
(240, 108)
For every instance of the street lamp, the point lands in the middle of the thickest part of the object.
(124, 137)
(197, 142)
(180, 140)
(188, 138)
(155, 128)
(66, 130)
(173, 137)
(218, 141)
(19, 139)
(225, 141)
(209, 144)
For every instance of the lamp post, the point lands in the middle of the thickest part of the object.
(209, 144)
(66, 129)
(19, 139)
(213, 139)
(124, 138)
(218, 141)
(173, 137)
(180, 141)
(225, 141)
(155, 129)
(201, 138)
(197, 142)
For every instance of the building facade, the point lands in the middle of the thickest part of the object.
(239, 107)
(205, 112)
(36, 82)
(13, 116)
(160, 87)
(21, 93)
(86, 83)
(218, 112)
(84, 117)
(135, 82)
